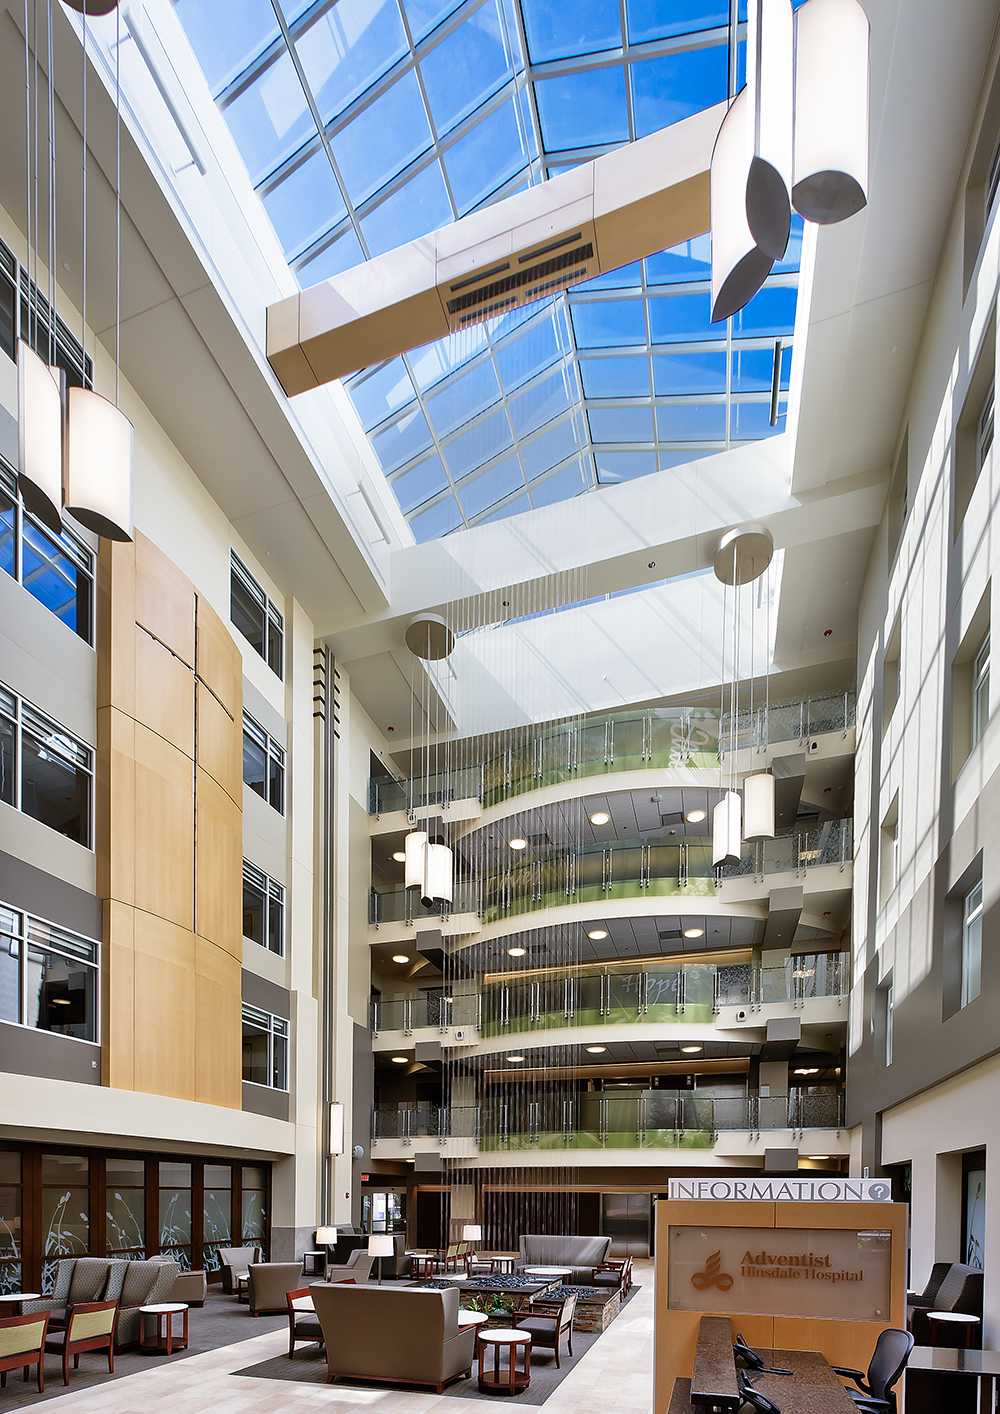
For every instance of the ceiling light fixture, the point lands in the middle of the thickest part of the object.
(400, 957)
(807, 1072)
(695, 817)
(399, 856)
(519, 844)
(597, 934)
(600, 817)
(691, 1050)
(399, 1060)
(817, 1158)
(516, 952)
(694, 932)
(597, 1050)
(515, 1058)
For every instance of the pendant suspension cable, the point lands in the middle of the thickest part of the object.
(33, 278)
(27, 167)
(118, 204)
(51, 93)
(83, 301)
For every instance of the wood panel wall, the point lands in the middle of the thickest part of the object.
(169, 831)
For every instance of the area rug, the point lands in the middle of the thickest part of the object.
(309, 1367)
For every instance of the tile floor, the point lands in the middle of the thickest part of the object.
(616, 1374)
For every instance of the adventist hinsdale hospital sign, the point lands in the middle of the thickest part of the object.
(778, 1190)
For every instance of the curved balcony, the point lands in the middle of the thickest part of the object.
(620, 871)
(661, 737)
(614, 995)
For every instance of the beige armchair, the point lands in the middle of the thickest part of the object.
(270, 1283)
(233, 1263)
(394, 1335)
(358, 1266)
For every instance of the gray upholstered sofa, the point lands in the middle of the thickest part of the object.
(580, 1254)
(80, 1279)
(393, 1334)
(146, 1284)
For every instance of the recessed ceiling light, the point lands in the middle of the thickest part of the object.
(597, 934)
(399, 856)
(447, 999)
(399, 1060)
(58, 1001)
(695, 817)
(694, 932)
(516, 952)
(515, 1058)
(600, 817)
(816, 1158)
(807, 1072)
(519, 844)
(400, 957)
(690, 1050)
(597, 1050)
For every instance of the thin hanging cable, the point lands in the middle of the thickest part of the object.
(51, 91)
(27, 157)
(33, 278)
(118, 204)
(83, 318)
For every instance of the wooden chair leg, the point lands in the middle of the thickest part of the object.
(41, 1372)
(111, 1358)
(3, 1379)
(66, 1363)
(76, 1362)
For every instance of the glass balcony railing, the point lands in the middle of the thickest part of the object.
(658, 994)
(660, 737)
(650, 1119)
(619, 871)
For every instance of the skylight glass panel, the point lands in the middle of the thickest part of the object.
(513, 508)
(616, 377)
(613, 467)
(622, 424)
(771, 311)
(481, 492)
(753, 370)
(662, 19)
(689, 373)
(792, 259)
(488, 156)
(606, 323)
(691, 422)
(627, 277)
(341, 254)
(463, 399)
(270, 119)
(559, 31)
(305, 203)
(412, 488)
(683, 319)
(379, 394)
(347, 48)
(382, 139)
(749, 422)
(437, 521)
(681, 264)
(551, 448)
(224, 49)
(432, 362)
(531, 352)
(467, 67)
(546, 400)
(397, 444)
(571, 481)
(670, 88)
(483, 441)
(585, 109)
(416, 208)
(425, 15)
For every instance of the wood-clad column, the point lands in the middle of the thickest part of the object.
(168, 831)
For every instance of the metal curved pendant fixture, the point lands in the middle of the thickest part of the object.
(739, 266)
(92, 7)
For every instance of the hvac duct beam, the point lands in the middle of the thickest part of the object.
(642, 198)
(784, 911)
(789, 777)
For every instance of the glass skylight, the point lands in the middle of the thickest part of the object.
(366, 123)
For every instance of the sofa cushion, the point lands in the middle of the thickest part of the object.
(90, 1276)
(139, 1281)
(951, 1288)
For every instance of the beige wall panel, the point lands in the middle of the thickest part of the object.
(115, 834)
(118, 997)
(218, 1027)
(164, 1008)
(671, 216)
(164, 829)
(164, 599)
(164, 693)
(220, 663)
(220, 744)
(220, 867)
(116, 625)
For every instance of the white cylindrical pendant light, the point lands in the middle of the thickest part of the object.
(98, 464)
(413, 866)
(739, 266)
(769, 91)
(437, 886)
(39, 438)
(758, 807)
(830, 167)
(726, 821)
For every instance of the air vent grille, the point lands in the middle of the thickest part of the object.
(520, 279)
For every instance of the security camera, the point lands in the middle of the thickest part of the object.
(814, 746)
(459, 1035)
(741, 1015)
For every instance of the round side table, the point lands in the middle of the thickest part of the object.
(503, 1381)
(471, 1318)
(164, 1312)
(18, 1298)
(961, 1326)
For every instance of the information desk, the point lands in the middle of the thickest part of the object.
(812, 1387)
(960, 1381)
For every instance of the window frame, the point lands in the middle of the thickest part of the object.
(985, 427)
(273, 892)
(972, 919)
(274, 756)
(60, 942)
(277, 1028)
(72, 546)
(272, 648)
(981, 689)
(17, 718)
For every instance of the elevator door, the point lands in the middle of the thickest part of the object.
(625, 1219)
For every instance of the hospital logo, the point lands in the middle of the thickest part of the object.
(713, 1275)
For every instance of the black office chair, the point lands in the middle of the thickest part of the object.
(875, 1394)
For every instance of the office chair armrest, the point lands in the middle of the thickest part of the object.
(856, 1375)
(874, 1406)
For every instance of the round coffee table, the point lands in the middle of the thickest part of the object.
(18, 1298)
(164, 1312)
(503, 1381)
(549, 1273)
(471, 1318)
(963, 1327)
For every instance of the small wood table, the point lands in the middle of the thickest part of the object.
(471, 1318)
(164, 1312)
(961, 1381)
(504, 1381)
(18, 1298)
(945, 1324)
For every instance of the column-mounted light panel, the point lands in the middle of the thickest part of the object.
(336, 1129)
